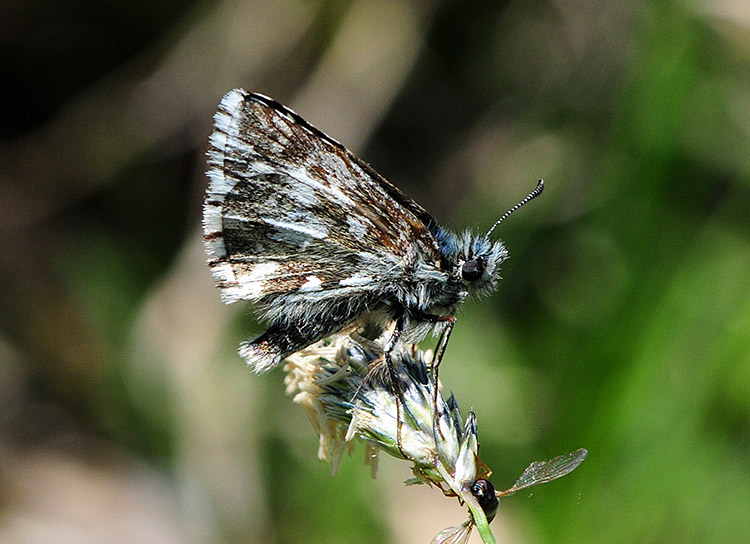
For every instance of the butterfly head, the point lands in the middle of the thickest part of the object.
(473, 261)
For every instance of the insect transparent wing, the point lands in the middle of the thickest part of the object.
(454, 535)
(542, 472)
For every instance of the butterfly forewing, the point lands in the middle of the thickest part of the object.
(290, 209)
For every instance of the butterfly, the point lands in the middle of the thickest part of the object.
(296, 223)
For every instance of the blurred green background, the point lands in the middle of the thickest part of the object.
(622, 323)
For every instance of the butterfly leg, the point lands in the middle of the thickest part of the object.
(442, 344)
(449, 322)
(393, 378)
(445, 335)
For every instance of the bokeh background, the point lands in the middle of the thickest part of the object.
(622, 323)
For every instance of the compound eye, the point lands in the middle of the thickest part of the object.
(472, 269)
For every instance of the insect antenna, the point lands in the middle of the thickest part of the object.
(531, 196)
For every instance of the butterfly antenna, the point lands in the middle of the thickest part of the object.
(531, 196)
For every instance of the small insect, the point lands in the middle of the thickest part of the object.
(298, 224)
(537, 473)
(484, 492)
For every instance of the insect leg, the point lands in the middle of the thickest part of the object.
(393, 377)
(449, 321)
(445, 335)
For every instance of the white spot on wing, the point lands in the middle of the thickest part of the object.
(356, 280)
(262, 271)
(356, 226)
(248, 286)
(223, 272)
(313, 283)
(313, 231)
(304, 196)
(331, 191)
(260, 168)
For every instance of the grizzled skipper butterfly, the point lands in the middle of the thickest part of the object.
(298, 224)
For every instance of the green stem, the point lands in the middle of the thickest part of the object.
(481, 523)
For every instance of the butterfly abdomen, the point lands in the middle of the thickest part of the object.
(295, 321)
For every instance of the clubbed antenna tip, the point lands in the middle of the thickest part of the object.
(531, 196)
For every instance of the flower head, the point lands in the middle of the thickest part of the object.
(340, 384)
